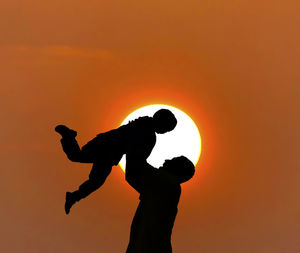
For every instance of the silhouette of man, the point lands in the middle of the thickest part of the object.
(107, 149)
(160, 191)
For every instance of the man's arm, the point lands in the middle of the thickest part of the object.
(139, 148)
(135, 166)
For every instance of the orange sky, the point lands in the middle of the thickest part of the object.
(233, 66)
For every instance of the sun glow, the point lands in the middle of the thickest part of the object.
(184, 140)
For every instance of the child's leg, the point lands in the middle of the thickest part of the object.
(97, 177)
(70, 145)
(73, 151)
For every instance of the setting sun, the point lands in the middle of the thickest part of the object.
(183, 140)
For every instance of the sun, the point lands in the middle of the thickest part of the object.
(184, 140)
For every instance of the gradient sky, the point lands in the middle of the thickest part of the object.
(233, 66)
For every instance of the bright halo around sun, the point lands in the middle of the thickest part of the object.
(184, 140)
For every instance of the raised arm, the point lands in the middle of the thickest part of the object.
(140, 145)
(135, 168)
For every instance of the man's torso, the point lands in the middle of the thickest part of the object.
(155, 216)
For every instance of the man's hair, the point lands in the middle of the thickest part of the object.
(182, 168)
(164, 120)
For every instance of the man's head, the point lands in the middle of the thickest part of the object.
(164, 121)
(180, 167)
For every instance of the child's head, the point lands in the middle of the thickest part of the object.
(164, 121)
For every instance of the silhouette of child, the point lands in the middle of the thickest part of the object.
(107, 149)
(160, 191)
